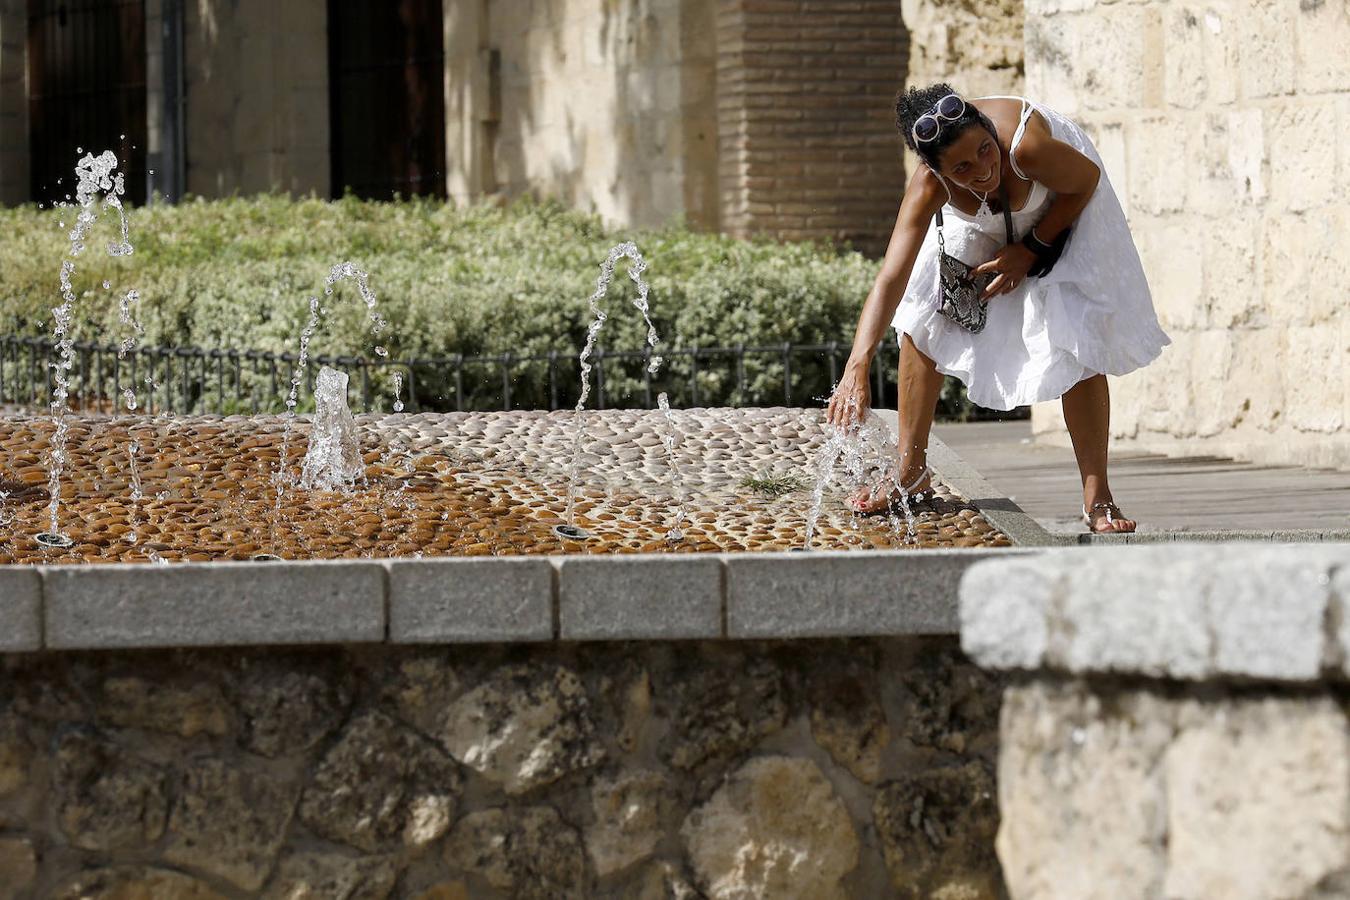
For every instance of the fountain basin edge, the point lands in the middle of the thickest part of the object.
(483, 600)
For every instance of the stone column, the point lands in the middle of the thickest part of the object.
(806, 136)
(1179, 727)
(14, 151)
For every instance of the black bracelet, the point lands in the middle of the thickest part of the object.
(1035, 244)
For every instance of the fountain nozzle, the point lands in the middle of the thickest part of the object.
(54, 540)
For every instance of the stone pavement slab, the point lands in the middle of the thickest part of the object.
(1164, 494)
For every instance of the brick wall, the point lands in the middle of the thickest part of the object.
(1222, 126)
(807, 146)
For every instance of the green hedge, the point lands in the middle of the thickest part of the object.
(479, 280)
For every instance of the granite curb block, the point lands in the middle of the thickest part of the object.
(640, 597)
(470, 600)
(661, 597)
(998, 510)
(838, 594)
(20, 610)
(1289, 536)
(220, 604)
(1174, 611)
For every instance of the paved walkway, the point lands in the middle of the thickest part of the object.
(1204, 493)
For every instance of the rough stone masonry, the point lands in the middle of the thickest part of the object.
(806, 769)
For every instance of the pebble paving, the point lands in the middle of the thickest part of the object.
(454, 484)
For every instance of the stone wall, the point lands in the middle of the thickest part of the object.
(607, 107)
(818, 769)
(1184, 734)
(1109, 790)
(13, 102)
(976, 45)
(256, 81)
(1221, 125)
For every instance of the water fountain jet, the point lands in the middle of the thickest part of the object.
(333, 461)
(668, 436)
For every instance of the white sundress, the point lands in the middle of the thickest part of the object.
(1091, 313)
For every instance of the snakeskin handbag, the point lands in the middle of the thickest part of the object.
(958, 290)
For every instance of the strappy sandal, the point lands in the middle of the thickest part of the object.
(915, 499)
(20, 492)
(1109, 507)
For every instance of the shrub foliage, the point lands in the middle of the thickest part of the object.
(238, 273)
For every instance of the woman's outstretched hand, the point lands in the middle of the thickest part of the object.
(1011, 265)
(852, 398)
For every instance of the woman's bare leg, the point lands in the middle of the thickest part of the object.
(1087, 413)
(920, 384)
(917, 394)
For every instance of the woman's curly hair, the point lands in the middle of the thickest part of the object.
(915, 102)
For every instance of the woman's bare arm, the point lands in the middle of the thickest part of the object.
(1071, 175)
(923, 198)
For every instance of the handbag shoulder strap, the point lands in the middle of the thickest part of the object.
(1007, 212)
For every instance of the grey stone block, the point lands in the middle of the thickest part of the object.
(20, 609)
(206, 604)
(470, 600)
(1125, 612)
(1339, 621)
(1267, 608)
(846, 593)
(1176, 611)
(624, 597)
(1005, 610)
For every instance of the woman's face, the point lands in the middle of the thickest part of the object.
(973, 160)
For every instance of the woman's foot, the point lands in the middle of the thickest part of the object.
(1106, 518)
(20, 492)
(918, 488)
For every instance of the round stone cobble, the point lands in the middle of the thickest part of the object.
(455, 484)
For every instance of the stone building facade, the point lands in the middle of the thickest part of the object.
(1223, 126)
(750, 116)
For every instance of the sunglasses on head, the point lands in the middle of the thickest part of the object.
(929, 125)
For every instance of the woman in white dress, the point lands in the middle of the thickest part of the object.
(1062, 314)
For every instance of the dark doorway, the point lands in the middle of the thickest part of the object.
(86, 89)
(387, 76)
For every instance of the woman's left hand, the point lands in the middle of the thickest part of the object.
(1011, 265)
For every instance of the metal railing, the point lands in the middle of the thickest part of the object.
(195, 380)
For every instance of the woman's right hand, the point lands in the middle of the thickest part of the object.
(852, 398)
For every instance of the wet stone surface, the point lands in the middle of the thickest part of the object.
(454, 484)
